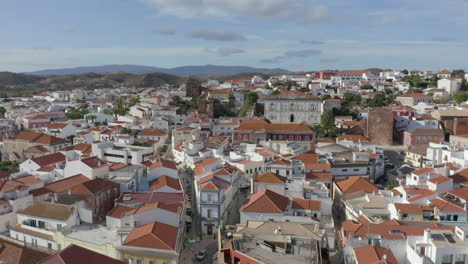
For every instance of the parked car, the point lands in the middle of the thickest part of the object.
(201, 254)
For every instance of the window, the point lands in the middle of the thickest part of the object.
(447, 259)
(344, 169)
(59, 226)
(139, 261)
(404, 215)
(208, 213)
(291, 137)
(460, 258)
(210, 197)
(32, 223)
(152, 262)
(356, 169)
(41, 224)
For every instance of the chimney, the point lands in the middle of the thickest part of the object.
(99, 163)
(55, 198)
(69, 191)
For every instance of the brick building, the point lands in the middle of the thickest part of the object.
(379, 126)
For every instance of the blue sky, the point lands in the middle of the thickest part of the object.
(292, 34)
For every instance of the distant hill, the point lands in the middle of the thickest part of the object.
(15, 83)
(137, 69)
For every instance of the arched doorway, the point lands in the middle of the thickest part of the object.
(291, 118)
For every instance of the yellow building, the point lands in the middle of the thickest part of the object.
(93, 237)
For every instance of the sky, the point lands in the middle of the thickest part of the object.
(299, 35)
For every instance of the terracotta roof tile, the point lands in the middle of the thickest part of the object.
(446, 206)
(165, 181)
(356, 184)
(266, 201)
(74, 254)
(49, 159)
(153, 235)
(270, 177)
(152, 132)
(374, 255)
(162, 163)
(305, 204)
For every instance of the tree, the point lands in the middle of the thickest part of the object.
(404, 72)
(464, 85)
(366, 87)
(134, 101)
(414, 80)
(77, 113)
(433, 82)
(350, 99)
(2, 110)
(252, 97)
(275, 92)
(327, 126)
(327, 96)
(460, 97)
(378, 100)
(459, 72)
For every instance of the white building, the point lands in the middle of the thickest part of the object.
(293, 107)
(38, 223)
(450, 85)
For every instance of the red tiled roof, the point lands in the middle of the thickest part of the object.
(94, 162)
(165, 181)
(210, 186)
(152, 132)
(153, 235)
(266, 201)
(18, 183)
(270, 177)
(440, 179)
(49, 159)
(374, 255)
(94, 186)
(305, 204)
(461, 176)
(61, 186)
(57, 125)
(446, 206)
(319, 176)
(422, 171)
(356, 184)
(461, 192)
(412, 208)
(74, 254)
(163, 163)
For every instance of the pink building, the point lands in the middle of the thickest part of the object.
(421, 136)
(36, 121)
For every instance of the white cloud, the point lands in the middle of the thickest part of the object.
(225, 51)
(299, 11)
(164, 31)
(217, 35)
(293, 54)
